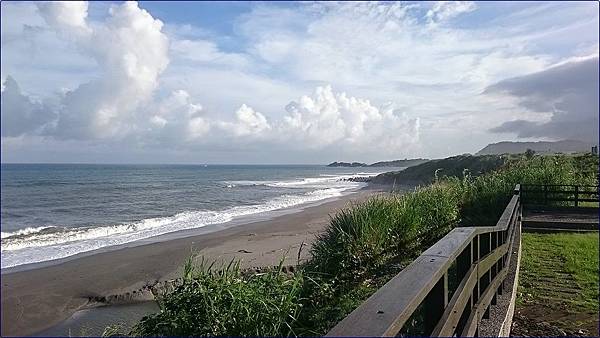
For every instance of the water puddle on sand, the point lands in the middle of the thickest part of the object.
(93, 322)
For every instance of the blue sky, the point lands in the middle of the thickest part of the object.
(283, 82)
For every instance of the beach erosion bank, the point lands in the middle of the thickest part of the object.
(37, 299)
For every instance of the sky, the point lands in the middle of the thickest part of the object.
(292, 82)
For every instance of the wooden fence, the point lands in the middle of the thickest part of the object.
(479, 258)
(568, 195)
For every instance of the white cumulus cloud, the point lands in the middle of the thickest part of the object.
(248, 123)
(131, 52)
(327, 118)
(66, 16)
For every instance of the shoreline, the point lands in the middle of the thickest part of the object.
(184, 233)
(39, 298)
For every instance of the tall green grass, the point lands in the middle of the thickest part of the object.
(368, 243)
(217, 302)
(368, 234)
(363, 247)
(485, 197)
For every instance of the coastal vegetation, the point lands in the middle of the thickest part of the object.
(224, 301)
(363, 247)
(427, 172)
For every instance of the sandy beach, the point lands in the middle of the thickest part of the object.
(36, 299)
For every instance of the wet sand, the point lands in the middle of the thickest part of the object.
(34, 300)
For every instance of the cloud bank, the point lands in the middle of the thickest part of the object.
(568, 92)
(21, 114)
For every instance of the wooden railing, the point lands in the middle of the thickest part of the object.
(558, 194)
(480, 257)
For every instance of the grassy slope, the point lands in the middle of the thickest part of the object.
(449, 167)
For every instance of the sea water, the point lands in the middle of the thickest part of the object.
(54, 211)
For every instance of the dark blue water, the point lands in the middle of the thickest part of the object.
(52, 211)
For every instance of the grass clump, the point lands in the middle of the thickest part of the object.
(221, 302)
(363, 237)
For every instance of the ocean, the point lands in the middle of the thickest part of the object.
(54, 211)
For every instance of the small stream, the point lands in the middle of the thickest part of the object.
(93, 321)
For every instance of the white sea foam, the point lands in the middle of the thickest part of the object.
(22, 232)
(32, 245)
(325, 180)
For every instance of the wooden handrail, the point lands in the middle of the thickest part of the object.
(482, 256)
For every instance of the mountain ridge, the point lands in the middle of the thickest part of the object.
(544, 147)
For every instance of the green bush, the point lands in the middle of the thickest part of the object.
(368, 234)
(485, 197)
(226, 302)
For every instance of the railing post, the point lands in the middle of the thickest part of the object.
(494, 272)
(486, 282)
(501, 260)
(576, 196)
(476, 256)
(464, 262)
(435, 303)
(487, 278)
(496, 268)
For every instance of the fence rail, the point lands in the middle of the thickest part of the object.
(481, 259)
(563, 194)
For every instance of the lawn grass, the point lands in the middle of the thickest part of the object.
(571, 253)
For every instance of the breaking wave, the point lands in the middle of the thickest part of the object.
(39, 244)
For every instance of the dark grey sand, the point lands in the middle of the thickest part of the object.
(36, 299)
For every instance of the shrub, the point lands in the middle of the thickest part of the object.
(368, 234)
(485, 197)
(225, 302)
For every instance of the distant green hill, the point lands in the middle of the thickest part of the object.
(541, 147)
(347, 164)
(395, 163)
(400, 163)
(452, 166)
